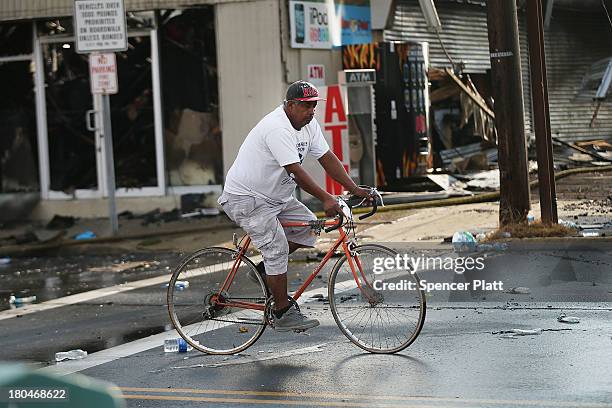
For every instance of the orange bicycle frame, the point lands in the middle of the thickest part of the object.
(341, 241)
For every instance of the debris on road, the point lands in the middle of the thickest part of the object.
(176, 345)
(85, 235)
(520, 332)
(563, 318)
(201, 212)
(77, 354)
(19, 301)
(59, 222)
(180, 285)
(124, 266)
(464, 241)
(519, 290)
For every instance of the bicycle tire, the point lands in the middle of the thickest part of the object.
(233, 334)
(344, 295)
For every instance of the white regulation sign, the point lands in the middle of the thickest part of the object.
(103, 74)
(100, 26)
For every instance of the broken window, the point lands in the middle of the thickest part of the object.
(18, 141)
(72, 158)
(190, 97)
(597, 81)
(133, 117)
(72, 155)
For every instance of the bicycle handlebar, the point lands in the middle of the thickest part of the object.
(371, 213)
(337, 225)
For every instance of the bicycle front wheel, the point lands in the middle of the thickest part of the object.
(212, 320)
(373, 317)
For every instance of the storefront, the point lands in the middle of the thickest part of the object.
(165, 117)
(196, 77)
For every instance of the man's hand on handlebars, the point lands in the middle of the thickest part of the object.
(363, 193)
(331, 207)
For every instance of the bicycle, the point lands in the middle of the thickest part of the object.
(232, 312)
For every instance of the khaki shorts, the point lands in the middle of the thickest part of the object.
(262, 221)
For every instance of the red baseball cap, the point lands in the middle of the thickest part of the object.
(302, 91)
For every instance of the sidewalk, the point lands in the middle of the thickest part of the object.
(185, 235)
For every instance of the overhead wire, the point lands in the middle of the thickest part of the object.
(603, 3)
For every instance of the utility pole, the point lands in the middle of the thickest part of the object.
(539, 94)
(507, 84)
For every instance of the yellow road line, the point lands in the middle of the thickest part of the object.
(555, 403)
(271, 401)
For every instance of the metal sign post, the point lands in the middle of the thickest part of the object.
(103, 75)
(100, 26)
(110, 163)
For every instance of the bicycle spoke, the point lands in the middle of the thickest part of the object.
(197, 316)
(393, 319)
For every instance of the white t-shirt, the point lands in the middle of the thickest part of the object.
(273, 143)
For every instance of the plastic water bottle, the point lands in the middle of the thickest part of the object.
(70, 355)
(464, 241)
(19, 301)
(179, 285)
(176, 345)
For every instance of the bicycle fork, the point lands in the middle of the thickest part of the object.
(368, 291)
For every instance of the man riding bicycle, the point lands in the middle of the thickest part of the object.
(258, 191)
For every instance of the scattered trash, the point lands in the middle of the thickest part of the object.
(128, 215)
(70, 355)
(124, 266)
(530, 218)
(563, 318)
(176, 345)
(486, 180)
(180, 285)
(5, 261)
(202, 212)
(590, 233)
(568, 224)
(520, 332)
(243, 329)
(19, 301)
(156, 216)
(85, 235)
(60, 222)
(506, 234)
(519, 290)
(464, 241)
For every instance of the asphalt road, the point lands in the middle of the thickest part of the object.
(461, 358)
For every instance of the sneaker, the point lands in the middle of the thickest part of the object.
(293, 319)
(261, 269)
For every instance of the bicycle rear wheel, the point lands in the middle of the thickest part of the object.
(197, 311)
(371, 316)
